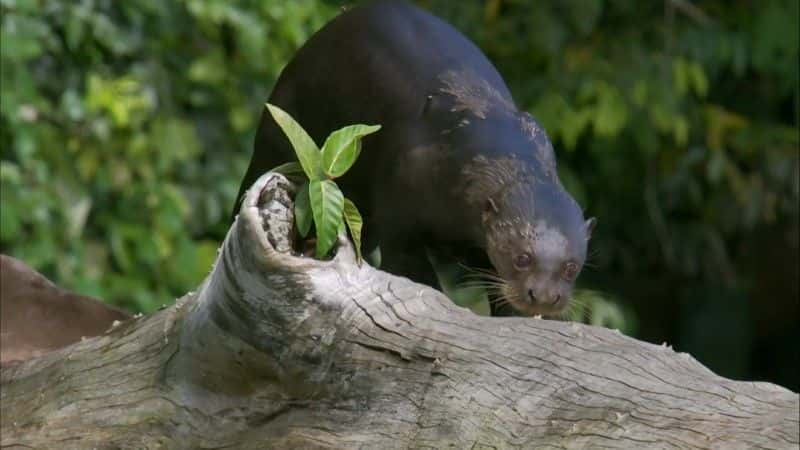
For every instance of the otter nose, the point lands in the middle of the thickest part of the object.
(547, 299)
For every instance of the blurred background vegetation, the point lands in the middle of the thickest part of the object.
(126, 127)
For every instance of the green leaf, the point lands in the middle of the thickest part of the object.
(120, 251)
(681, 131)
(305, 148)
(698, 78)
(354, 222)
(342, 148)
(680, 75)
(327, 203)
(289, 168)
(302, 211)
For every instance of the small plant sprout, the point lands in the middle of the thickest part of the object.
(319, 201)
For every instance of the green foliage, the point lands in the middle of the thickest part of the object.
(597, 309)
(125, 128)
(327, 204)
(302, 210)
(354, 223)
(289, 169)
(305, 148)
(342, 147)
(328, 207)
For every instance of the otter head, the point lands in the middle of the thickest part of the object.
(534, 232)
(536, 238)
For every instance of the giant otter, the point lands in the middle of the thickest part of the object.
(455, 167)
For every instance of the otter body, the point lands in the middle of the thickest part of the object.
(455, 167)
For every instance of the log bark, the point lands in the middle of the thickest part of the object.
(276, 350)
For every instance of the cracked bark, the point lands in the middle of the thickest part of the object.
(275, 350)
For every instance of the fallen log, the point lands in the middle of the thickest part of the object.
(277, 350)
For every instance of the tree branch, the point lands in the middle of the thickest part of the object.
(278, 350)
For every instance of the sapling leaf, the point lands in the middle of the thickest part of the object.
(327, 203)
(289, 168)
(307, 151)
(342, 148)
(320, 201)
(354, 222)
(302, 211)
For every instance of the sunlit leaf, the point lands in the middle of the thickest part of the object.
(681, 131)
(354, 222)
(342, 148)
(307, 152)
(289, 168)
(327, 203)
(698, 79)
(302, 211)
(680, 75)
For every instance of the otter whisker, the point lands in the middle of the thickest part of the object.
(482, 274)
(479, 271)
(499, 298)
(483, 284)
(475, 269)
(577, 310)
(484, 278)
(506, 298)
(490, 290)
(501, 302)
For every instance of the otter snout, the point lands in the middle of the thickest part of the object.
(552, 299)
(546, 297)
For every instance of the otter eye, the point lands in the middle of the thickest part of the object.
(522, 261)
(570, 271)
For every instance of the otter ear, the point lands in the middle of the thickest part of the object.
(590, 224)
(490, 206)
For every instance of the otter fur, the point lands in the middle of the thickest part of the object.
(455, 168)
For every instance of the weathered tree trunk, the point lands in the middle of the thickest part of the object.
(280, 351)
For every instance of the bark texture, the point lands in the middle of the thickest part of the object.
(281, 351)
